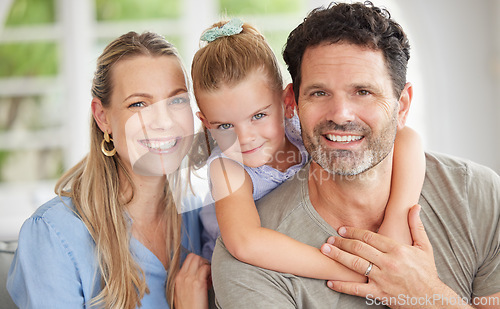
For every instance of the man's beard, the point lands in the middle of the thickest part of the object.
(347, 162)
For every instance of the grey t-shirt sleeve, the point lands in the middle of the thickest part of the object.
(484, 200)
(244, 286)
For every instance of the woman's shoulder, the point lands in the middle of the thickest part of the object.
(60, 207)
(56, 217)
(54, 227)
(55, 245)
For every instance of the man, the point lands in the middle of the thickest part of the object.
(348, 66)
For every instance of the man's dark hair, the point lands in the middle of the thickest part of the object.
(359, 23)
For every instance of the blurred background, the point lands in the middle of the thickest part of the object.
(48, 50)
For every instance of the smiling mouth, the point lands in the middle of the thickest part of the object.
(160, 145)
(251, 150)
(343, 138)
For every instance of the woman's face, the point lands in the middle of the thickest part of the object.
(150, 117)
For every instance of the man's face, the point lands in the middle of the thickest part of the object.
(347, 108)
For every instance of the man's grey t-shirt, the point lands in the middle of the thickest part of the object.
(460, 210)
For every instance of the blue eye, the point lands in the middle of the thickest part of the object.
(180, 100)
(137, 104)
(225, 126)
(258, 116)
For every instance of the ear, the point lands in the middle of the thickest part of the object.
(404, 104)
(289, 101)
(203, 119)
(100, 115)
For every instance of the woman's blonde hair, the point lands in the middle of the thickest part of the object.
(230, 59)
(94, 186)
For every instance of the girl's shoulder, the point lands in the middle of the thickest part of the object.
(218, 153)
(293, 131)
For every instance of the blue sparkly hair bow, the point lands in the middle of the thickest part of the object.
(234, 26)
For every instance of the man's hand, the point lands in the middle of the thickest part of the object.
(398, 271)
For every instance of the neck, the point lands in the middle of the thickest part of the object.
(146, 210)
(357, 201)
(147, 202)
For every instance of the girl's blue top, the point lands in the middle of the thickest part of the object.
(55, 264)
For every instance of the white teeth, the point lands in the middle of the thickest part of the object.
(343, 138)
(161, 145)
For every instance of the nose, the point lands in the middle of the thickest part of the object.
(158, 116)
(340, 110)
(246, 134)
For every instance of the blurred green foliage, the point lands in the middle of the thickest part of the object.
(255, 7)
(35, 164)
(32, 59)
(3, 158)
(31, 12)
(277, 40)
(28, 59)
(113, 10)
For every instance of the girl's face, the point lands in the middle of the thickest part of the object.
(246, 120)
(150, 117)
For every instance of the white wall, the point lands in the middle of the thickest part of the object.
(457, 46)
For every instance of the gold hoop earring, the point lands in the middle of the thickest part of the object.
(107, 153)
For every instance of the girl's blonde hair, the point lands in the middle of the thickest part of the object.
(230, 59)
(94, 187)
(226, 61)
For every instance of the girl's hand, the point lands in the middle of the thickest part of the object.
(192, 283)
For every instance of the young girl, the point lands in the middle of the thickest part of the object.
(238, 87)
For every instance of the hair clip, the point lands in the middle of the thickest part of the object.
(234, 26)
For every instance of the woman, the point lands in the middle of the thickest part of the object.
(113, 233)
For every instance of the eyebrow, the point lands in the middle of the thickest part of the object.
(140, 95)
(362, 85)
(372, 87)
(256, 112)
(149, 96)
(313, 86)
